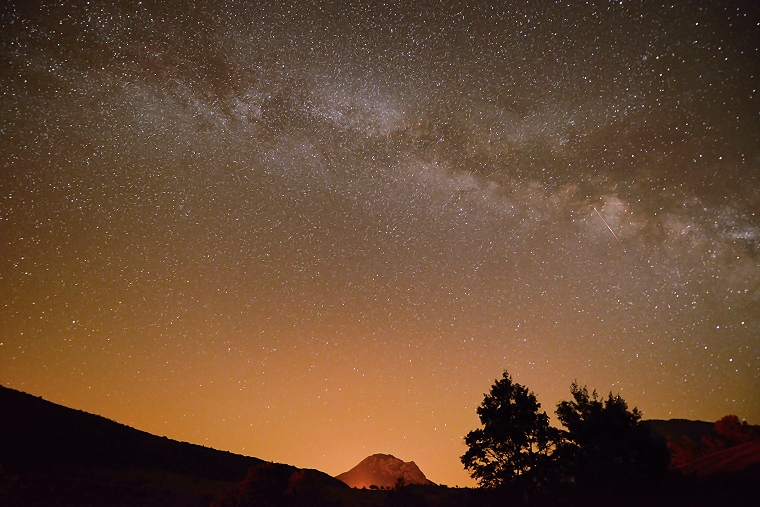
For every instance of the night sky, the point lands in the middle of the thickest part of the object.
(314, 232)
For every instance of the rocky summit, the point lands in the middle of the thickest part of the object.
(383, 471)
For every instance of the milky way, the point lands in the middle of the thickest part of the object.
(313, 233)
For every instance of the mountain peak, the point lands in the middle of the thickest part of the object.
(383, 470)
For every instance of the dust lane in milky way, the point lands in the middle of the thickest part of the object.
(311, 233)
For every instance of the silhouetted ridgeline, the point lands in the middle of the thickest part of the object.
(672, 429)
(35, 433)
(54, 455)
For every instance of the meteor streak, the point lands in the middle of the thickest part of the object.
(608, 225)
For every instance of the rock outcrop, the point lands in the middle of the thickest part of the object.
(383, 471)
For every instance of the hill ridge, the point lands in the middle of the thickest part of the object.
(36, 433)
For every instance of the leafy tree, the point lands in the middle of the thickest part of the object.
(516, 440)
(605, 441)
(603, 444)
(729, 431)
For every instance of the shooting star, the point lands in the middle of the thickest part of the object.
(608, 225)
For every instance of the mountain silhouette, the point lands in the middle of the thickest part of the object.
(673, 429)
(54, 455)
(384, 471)
(37, 433)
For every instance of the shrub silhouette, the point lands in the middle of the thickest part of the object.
(266, 485)
(275, 485)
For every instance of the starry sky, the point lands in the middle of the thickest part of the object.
(313, 231)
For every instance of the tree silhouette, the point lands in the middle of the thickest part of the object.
(605, 441)
(274, 485)
(266, 485)
(729, 431)
(516, 440)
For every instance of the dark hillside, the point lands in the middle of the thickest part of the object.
(36, 433)
(674, 429)
(54, 455)
(51, 455)
(743, 459)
